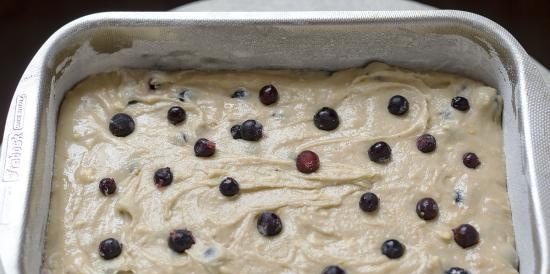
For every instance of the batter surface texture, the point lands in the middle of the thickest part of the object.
(322, 222)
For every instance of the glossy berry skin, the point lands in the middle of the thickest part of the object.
(122, 125)
(456, 270)
(398, 105)
(380, 152)
(236, 132)
(163, 177)
(180, 240)
(470, 160)
(229, 187)
(176, 115)
(460, 103)
(107, 186)
(369, 202)
(307, 162)
(326, 119)
(251, 130)
(268, 95)
(333, 269)
(109, 249)
(427, 209)
(426, 143)
(466, 235)
(204, 148)
(269, 224)
(393, 249)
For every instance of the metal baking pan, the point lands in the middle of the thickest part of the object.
(449, 41)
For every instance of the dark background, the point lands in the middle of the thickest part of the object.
(25, 25)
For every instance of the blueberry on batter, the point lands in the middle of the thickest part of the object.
(176, 115)
(466, 235)
(307, 162)
(229, 187)
(380, 152)
(109, 249)
(326, 119)
(393, 249)
(333, 269)
(180, 240)
(426, 143)
(251, 130)
(369, 202)
(470, 160)
(163, 177)
(204, 148)
(398, 105)
(236, 132)
(122, 125)
(460, 103)
(269, 224)
(107, 186)
(268, 95)
(427, 209)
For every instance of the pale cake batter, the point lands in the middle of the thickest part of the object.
(321, 221)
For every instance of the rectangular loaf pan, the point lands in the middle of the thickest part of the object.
(451, 41)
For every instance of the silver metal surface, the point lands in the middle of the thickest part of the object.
(450, 41)
(301, 5)
(315, 5)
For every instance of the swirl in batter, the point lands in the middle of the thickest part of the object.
(322, 222)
